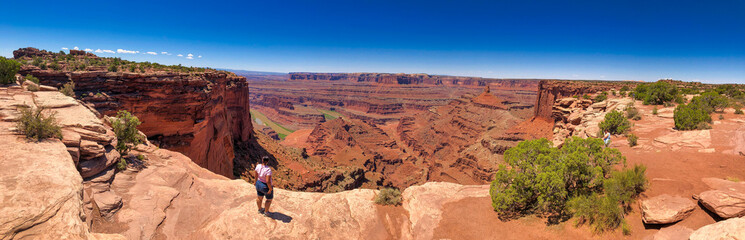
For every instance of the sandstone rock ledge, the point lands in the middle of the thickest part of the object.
(177, 199)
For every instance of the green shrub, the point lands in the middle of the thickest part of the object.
(632, 139)
(31, 78)
(68, 89)
(625, 228)
(601, 97)
(613, 93)
(604, 212)
(113, 68)
(656, 93)
(586, 96)
(389, 196)
(122, 164)
(37, 62)
(615, 123)
(125, 127)
(54, 66)
(654, 110)
(8, 70)
(35, 125)
(542, 178)
(690, 117)
(132, 68)
(633, 113)
(738, 111)
(721, 117)
(32, 88)
(710, 101)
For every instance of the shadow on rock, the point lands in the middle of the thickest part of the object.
(279, 217)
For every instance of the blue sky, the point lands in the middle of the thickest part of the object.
(625, 40)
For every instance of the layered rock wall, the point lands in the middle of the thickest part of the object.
(401, 78)
(198, 114)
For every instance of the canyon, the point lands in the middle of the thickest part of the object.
(199, 134)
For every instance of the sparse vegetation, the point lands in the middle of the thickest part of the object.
(125, 127)
(31, 78)
(32, 88)
(68, 89)
(600, 97)
(633, 113)
(657, 93)
(122, 164)
(35, 125)
(632, 138)
(738, 111)
(586, 96)
(577, 179)
(615, 123)
(389, 196)
(733, 179)
(721, 117)
(654, 110)
(8, 70)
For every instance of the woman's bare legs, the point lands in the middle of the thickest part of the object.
(258, 202)
(268, 204)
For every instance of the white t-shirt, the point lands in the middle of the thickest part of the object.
(263, 172)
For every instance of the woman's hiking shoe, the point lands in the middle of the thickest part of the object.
(261, 211)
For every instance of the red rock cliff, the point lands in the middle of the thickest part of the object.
(198, 114)
(402, 78)
(550, 90)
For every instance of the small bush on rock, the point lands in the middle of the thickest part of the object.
(615, 123)
(601, 97)
(32, 88)
(35, 125)
(654, 110)
(389, 196)
(8, 70)
(125, 127)
(121, 165)
(68, 89)
(31, 78)
(738, 111)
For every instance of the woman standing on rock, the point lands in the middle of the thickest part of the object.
(264, 185)
(606, 138)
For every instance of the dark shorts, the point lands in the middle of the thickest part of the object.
(262, 189)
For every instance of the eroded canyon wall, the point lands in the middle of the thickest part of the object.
(198, 114)
(402, 78)
(550, 90)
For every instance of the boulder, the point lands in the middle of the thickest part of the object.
(599, 105)
(93, 166)
(725, 203)
(671, 233)
(90, 150)
(664, 209)
(733, 228)
(108, 202)
(575, 118)
(70, 138)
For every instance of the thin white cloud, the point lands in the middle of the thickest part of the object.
(152, 53)
(166, 53)
(200, 56)
(180, 55)
(190, 55)
(88, 50)
(64, 48)
(76, 48)
(126, 51)
(98, 51)
(108, 51)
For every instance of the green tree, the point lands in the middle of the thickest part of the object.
(711, 101)
(615, 123)
(656, 93)
(125, 127)
(8, 70)
(542, 178)
(690, 117)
